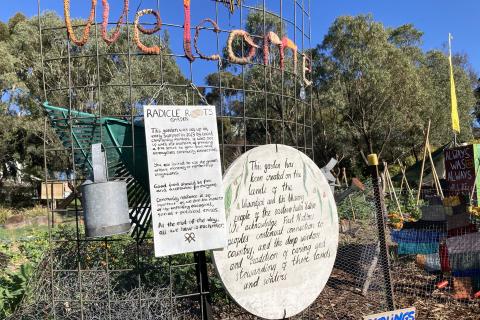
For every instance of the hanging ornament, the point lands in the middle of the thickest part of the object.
(68, 23)
(121, 20)
(303, 94)
(231, 4)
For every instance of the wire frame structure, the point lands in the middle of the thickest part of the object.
(94, 90)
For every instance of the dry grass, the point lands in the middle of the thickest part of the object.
(36, 211)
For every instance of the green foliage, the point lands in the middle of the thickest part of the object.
(23, 256)
(412, 209)
(359, 205)
(13, 286)
(376, 90)
(21, 77)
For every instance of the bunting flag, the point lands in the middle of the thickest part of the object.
(453, 94)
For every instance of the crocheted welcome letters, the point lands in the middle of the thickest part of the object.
(269, 39)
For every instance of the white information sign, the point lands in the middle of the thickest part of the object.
(283, 232)
(185, 179)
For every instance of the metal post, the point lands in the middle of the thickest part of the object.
(203, 286)
(381, 213)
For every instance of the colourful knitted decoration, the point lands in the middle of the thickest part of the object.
(287, 43)
(253, 47)
(136, 31)
(158, 24)
(187, 38)
(216, 29)
(68, 23)
(116, 33)
(270, 38)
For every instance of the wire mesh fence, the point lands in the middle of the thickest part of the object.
(434, 255)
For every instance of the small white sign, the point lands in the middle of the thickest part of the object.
(283, 232)
(185, 176)
(402, 314)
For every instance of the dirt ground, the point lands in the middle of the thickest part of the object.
(342, 298)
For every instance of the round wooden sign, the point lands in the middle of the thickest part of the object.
(283, 232)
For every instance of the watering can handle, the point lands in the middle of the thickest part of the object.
(99, 163)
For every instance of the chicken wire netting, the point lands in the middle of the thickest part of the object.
(434, 251)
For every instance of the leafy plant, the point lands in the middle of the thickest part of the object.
(13, 286)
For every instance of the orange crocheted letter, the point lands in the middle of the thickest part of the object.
(287, 43)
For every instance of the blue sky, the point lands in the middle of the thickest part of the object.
(435, 17)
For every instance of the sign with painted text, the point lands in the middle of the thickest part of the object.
(461, 170)
(402, 314)
(185, 179)
(283, 232)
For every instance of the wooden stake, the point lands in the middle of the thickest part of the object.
(405, 180)
(345, 176)
(436, 180)
(390, 184)
(423, 161)
(371, 270)
(386, 185)
(351, 206)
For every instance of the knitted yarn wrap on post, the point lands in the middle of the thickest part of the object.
(121, 20)
(136, 35)
(68, 23)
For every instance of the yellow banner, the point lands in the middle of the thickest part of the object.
(453, 95)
